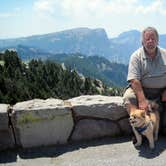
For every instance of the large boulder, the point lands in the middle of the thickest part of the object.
(98, 116)
(99, 106)
(88, 129)
(42, 122)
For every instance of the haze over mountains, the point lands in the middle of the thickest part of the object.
(79, 40)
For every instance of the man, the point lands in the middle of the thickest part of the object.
(146, 72)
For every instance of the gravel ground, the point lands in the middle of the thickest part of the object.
(101, 152)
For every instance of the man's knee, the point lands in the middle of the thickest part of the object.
(129, 99)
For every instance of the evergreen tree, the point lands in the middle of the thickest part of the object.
(40, 79)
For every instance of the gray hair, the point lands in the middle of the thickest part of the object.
(149, 29)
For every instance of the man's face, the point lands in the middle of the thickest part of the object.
(150, 41)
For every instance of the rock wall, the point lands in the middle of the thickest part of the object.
(6, 133)
(39, 122)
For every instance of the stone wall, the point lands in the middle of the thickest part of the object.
(6, 133)
(48, 122)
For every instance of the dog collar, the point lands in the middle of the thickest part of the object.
(141, 129)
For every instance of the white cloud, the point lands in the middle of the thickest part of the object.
(113, 15)
(5, 15)
(84, 10)
(154, 7)
(46, 6)
(13, 13)
(88, 7)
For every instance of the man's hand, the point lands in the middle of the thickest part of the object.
(142, 101)
(143, 105)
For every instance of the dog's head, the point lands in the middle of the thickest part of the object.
(137, 117)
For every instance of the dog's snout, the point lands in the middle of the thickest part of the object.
(130, 119)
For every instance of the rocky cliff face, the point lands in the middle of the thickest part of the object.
(80, 40)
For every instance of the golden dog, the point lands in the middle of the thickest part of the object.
(145, 123)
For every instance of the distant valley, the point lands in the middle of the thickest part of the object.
(112, 74)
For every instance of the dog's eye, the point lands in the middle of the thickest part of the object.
(132, 117)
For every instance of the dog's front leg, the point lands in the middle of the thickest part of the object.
(138, 137)
(156, 130)
(150, 139)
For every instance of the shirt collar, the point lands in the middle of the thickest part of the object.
(145, 56)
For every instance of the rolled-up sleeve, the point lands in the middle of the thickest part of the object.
(134, 69)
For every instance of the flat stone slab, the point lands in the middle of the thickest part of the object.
(42, 122)
(108, 107)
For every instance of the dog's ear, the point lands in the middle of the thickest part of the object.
(153, 106)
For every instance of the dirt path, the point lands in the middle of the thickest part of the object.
(103, 152)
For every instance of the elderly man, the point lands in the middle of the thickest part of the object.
(146, 72)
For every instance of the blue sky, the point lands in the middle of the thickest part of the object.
(20, 18)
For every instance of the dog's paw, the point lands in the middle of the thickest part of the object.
(152, 146)
(134, 140)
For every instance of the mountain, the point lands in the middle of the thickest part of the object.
(79, 40)
(123, 46)
(83, 40)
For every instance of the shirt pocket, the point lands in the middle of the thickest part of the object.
(163, 64)
(146, 69)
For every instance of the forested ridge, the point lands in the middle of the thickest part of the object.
(42, 79)
(95, 67)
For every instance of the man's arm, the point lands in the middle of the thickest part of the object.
(137, 87)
